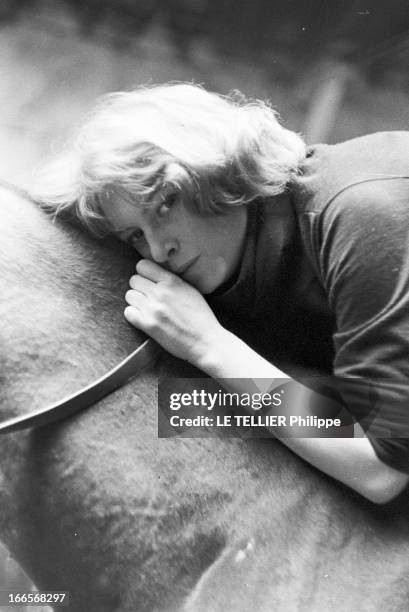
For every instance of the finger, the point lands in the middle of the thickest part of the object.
(135, 298)
(134, 316)
(152, 271)
(139, 283)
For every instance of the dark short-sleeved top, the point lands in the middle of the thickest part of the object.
(324, 281)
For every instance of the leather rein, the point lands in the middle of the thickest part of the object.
(143, 356)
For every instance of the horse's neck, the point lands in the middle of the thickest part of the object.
(61, 321)
(61, 310)
(61, 326)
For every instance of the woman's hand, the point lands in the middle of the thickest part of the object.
(172, 312)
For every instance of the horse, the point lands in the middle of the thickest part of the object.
(97, 505)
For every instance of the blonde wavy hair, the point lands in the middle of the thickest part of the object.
(231, 151)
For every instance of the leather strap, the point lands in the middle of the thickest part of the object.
(140, 358)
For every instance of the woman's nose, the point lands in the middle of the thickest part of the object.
(162, 250)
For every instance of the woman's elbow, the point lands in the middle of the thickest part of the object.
(387, 485)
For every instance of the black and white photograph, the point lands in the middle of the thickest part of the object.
(204, 312)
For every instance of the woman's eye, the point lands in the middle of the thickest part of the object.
(167, 203)
(136, 237)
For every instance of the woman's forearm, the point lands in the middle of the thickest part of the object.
(352, 461)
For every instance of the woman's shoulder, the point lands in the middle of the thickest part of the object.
(330, 170)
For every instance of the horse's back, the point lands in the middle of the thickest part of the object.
(99, 506)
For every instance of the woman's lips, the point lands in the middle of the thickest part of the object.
(187, 265)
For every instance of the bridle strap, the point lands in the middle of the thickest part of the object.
(133, 364)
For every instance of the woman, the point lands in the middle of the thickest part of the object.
(305, 249)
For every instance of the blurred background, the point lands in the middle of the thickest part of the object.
(334, 69)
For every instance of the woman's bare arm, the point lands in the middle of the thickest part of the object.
(352, 461)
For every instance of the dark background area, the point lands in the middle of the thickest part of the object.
(333, 69)
(287, 36)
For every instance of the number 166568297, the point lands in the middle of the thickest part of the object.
(34, 598)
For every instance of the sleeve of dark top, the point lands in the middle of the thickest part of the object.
(364, 262)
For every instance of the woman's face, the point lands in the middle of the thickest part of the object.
(204, 250)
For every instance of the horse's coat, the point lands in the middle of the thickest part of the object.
(99, 506)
